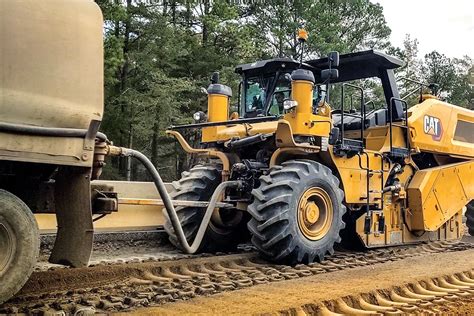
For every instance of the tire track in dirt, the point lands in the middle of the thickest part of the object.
(440, 295)
(126, 286)
(290, 295)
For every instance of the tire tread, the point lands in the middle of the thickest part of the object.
(271, 213)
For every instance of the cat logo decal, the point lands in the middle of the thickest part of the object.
(432, 126)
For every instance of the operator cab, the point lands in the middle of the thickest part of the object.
(265, 85)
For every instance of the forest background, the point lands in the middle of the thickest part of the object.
(159, 54)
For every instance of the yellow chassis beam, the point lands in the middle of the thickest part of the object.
(139, 209)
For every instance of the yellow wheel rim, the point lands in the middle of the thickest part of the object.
(315, 213)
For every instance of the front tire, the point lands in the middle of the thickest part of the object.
(19, 244)
(198, 184)
(297, 212)
(470, 218)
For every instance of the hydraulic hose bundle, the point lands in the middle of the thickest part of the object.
(168, 203)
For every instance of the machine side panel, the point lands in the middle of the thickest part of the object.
(436, 194)
(439, 127)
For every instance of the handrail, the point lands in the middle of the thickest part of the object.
(368, 216)
(373, 104)
(226, 123)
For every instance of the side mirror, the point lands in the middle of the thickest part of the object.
(329, 74)
(215, 77)
(333, 58)
(434, 87)
(334, 136)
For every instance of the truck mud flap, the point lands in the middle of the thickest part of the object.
(73, 245)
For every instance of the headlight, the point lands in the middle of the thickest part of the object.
(290, 104)
(199, 117)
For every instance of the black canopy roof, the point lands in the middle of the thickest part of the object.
(359, 65)
(269, 66)
(352, 66)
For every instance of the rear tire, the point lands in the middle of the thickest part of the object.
(297, 212)
(198, 184)
(19, 244)
(470, 218)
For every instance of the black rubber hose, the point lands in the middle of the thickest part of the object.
(47, 131)
(160, 186)
(168, 203)
(251, 140)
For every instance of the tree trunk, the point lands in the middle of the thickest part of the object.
(124, 168)
(129, 159)
(205, 27)
(155, 141)
(188, 14)
(165, 7)
(173, 12)
(154, 145)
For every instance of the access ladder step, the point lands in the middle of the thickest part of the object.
(349, 146)
(399, 152)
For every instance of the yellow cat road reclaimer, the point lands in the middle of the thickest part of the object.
(307, 174)
(293, 168)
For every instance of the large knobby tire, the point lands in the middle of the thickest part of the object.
(470, 218)
(297, 212)
(198, 184)
(19, 244)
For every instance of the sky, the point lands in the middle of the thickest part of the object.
(443, 25)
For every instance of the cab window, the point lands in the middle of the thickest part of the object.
(281, 93)
(255, 94)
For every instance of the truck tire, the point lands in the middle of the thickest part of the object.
(198, 184)
(19, 244)
(470, 218)
(297, 212)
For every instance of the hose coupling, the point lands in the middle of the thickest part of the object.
(392, 188)
(116, 151)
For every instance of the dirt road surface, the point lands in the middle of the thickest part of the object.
(141, 276)
(291, 294)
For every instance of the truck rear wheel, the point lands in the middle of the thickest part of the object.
(297, 212)
(198, 184)
(470, 218)
(19, 244)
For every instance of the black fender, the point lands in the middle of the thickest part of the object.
(73, 245)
